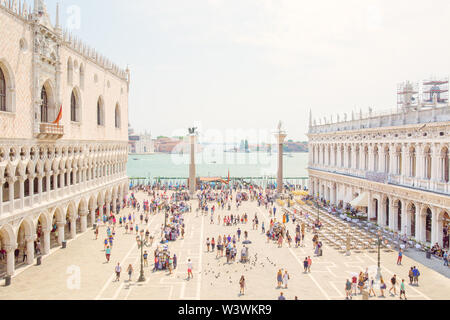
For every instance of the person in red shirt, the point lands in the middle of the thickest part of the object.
(354, 284)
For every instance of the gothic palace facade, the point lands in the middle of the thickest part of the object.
(395, 164)
(55, 177)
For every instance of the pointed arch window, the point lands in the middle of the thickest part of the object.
(73, 107)
(2, 91)
(117, 117)
(44, 105)
(100, 113)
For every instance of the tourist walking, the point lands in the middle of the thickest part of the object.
(285, 279)
(130, 272)
(189, 270)
(382, 287)
(400, 256)
(305, 265)
(281, 297)
(242, 285)
(348, 290)
(411, 276)
(145, 255)
(108, 253)
(393, 285)
(402, 289)
(279, 279)
(416, 275)
(118, 269)
(371, 290)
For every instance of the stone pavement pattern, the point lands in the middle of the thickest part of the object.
(213, 278)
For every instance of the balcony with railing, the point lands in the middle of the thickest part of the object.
(389, 178)
(50, 131)
(386, 118)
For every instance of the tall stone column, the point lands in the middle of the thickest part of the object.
(10, 260)
(73, 227)
(404, 216)
(30, 249)
(60, 226)
(46, 244)
(370, 211)
(92, 212)
(83, 220)
(280, 135)
(393, 213)
(192, 174)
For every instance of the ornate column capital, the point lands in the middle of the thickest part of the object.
(84, 213)
(8, 248)
(11, 180)
(29, 238)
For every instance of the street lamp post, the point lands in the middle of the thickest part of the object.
(379, 257)
(141, 242)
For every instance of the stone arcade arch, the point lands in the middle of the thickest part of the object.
(8, 244)
(93, 211)
(43, 233)
(70, 228)
(58, 227)
(82, 216)
(25, 243)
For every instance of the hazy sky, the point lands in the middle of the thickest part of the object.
(238, 64)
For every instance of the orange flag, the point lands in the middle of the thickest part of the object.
(59, 117)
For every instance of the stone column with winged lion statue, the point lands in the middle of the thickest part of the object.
(192, 181)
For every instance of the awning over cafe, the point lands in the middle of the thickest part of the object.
(361, 201)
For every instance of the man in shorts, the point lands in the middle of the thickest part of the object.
(402, 289)
(348, 290)
(118, 270)
(189, 265)
(393, 285)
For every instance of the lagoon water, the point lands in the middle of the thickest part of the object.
(255, 164)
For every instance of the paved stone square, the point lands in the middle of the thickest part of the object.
(84, 260)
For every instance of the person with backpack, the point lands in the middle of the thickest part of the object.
(416, 275)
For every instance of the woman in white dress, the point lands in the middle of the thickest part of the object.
(285, 279)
